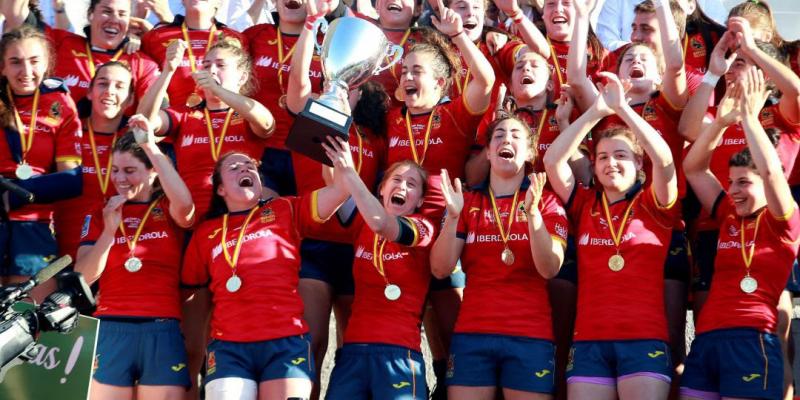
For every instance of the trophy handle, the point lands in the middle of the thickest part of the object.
(393, 50)
(320, 26)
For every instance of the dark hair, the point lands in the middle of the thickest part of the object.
(618, 131)
(678, 15)
(35, 9)
(405, 163)
(533, 137)
(119, 64)
(446, 63)
(742, 159)
(17, 35)
(218, 205)
(243, 62)
(127, 144)
(370, 111)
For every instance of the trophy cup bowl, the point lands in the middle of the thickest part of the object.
(353, 50)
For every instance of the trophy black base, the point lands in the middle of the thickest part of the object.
(312, 126)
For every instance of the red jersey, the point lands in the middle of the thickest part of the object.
(500, 299)
(734, 141)
(502, 64)
(189, 132)
(452, 133)
(775, 244)
(56, 138)
(695, 49)
(69, 213)
(610, 307)
(558, 63)
(271, 67)
(663, 117)
(368, 154)
(154, 290)
(374, 318)
(76, 56)
(267, 305)
(156, 41)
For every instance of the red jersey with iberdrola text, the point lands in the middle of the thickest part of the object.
(154, 290)
(505, 299)
(56, 138)
(267, 305)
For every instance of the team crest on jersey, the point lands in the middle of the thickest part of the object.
(158, 214)
(55, 110)
(553, 123)
(267, 216)
(695, 43)
(733, 230)
(437, 120)
(87, 221)
(649, 112)
(521, 216)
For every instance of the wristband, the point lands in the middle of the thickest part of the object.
(517, 17)
(311, 20)
(710, 79)
(457, 34)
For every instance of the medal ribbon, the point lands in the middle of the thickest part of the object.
(189, 52)
(132, 243)
(92, 68)
(554, 57)
(461, 85)
(377, 257)
(504, 234)
(412, 145)
(747, 256)
(616, 234)
(282, 60)
(402, 44)
(233, 261)
(103, 180)
(216, 148)
(26, 141)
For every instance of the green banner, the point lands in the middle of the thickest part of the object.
(61, 370)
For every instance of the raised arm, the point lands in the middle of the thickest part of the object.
(299, 88)
(181, 205)
(529, 33)
(151, 101)
(447, 248)
(664, 177)
(674, 81)
(696, 164)
(477, 94)
(776, 189)
(258, 117)
(583, 91)
(693, 118)
(548, 254)
(787, 82)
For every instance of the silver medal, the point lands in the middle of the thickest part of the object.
(133, 264)
(748, 284)
(24, 171)
(392, 292)
(233, 284)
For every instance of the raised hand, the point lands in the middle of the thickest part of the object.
(174, 56)
(740, 27)
(318, 8)
(338, 151)
(754, 93)
(500, 110)
(203, 79)
(583, 7)
(495, 41)
(728, 110)
(612, 94)
(453, 195)
(112, 212)
(448, 22)
(142, 131)
(534, 194)
(565, 105)
(719, 64)
(508, 7)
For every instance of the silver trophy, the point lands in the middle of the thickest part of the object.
(353, 51)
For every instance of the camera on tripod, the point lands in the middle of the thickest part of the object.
(58, 312)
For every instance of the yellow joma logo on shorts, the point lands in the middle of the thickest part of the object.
(401, 385)
(178, 367)
(298, 361)
(542, 373)
(655, 354)
(751, 377)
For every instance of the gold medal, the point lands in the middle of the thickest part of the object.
(616, 263)
(193, 100)
(392, 292)
(133, 264)
(24, 171)
(748, 284)
(507, 256)
(282, 101)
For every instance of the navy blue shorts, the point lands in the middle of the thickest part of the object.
(704, 253)
(677, 266)
(141, 352)
(377, 371)
(329, 262)
(511, 362)
(606, 361)
(277, 171)
(569, 269)
(27, 247)
(282, 358)
(456, 280)
(734, 363)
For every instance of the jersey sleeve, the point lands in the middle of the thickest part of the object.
(68, 135)
(663, 214)
(471, 205)
(150, 42)
(147, 74)
(415, 231)
(194, 272)
(785, 227)
(175, 119)
(334, 230)
(91, 228)
(554, 217)
(579, 199)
